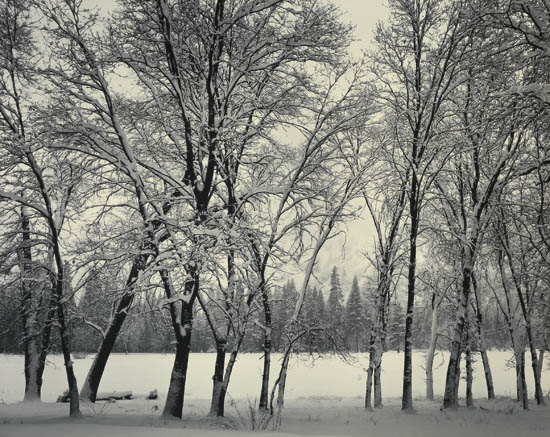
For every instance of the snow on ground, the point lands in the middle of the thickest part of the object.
(328, 376)
(324, 397)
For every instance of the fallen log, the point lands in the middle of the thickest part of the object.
(116, 395)
(104, 396)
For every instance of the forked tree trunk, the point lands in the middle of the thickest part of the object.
(227, 377)
(280, 382)
(450, 398)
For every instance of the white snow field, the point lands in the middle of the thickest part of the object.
(324, 397)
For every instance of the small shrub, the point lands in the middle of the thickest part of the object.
(254, 419)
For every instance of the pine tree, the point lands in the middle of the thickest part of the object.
(396, 327)
(354, 320)
(335, 307)
(283, 305)
(314, 315)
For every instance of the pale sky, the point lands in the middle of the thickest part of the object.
(345, 251)
(363, 14)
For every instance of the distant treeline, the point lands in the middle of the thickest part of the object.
(149, 329)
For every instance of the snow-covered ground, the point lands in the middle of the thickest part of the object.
(324, 396)
(322, 377)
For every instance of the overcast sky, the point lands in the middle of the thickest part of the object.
(346, 251)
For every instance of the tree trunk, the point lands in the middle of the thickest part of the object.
(370, 372)
(482, 347)
(32, 384)
(74, 406)
(407, 400)
(264, 391)
(378, 384)
(488, 374)
(46, 335)
(218, 377)
(469, 378)
(431, 352)
(93, 379)
(29, 314)
(282, 382)
(227, 377)
(523, 383)
(469, 369)
(173, 406)
(519, 386)
(450, 398)
(458, 374)
(540, 362)
(539, 395)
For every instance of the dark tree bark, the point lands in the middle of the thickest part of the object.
(182, 322)
(407, 400)
(74, 406)
(482, 348)
(93, 379)
(370, 372)
(524, 396)
(173, 406)
(469, 368)
(450, 398)
(378, 384)
(217, 378)
(29, 314)
(264, 391)
(525, 310)
(431, 351)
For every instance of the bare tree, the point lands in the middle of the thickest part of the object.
(417, 66)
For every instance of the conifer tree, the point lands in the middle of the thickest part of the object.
(396, 327)
(335, 306)
(354, 320)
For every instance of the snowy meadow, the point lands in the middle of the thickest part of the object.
(321, 378)
(244, 176)
(325, 397)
